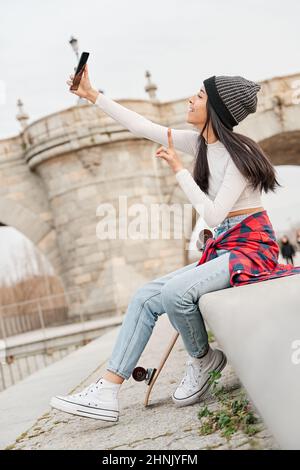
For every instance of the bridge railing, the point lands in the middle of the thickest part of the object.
(51, 310)
(36, 333)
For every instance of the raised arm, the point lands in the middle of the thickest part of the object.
(184, 140)
(213, 212)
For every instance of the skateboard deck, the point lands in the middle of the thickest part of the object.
(150, 375)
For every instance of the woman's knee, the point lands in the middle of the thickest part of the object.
(170, 296)
(144, 293)
(176, 299)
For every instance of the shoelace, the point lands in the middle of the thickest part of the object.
(189, 377)
(86, 390)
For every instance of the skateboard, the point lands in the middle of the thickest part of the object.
(150, 375)
(203, 236)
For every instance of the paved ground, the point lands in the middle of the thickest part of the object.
(23, 403)
(160, 426)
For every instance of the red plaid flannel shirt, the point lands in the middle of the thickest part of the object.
(253, 251)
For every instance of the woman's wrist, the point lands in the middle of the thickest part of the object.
(92, 95)
(178, 168)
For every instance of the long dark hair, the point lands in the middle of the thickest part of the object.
(247, 155)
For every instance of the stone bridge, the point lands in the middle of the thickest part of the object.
(60, 168)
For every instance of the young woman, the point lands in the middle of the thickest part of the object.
(229, 174)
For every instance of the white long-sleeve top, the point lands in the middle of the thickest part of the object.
(228, 188)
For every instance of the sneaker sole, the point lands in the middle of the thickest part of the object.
(85, 411)
(195, 397)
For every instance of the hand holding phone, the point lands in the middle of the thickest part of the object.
(79, 71)
(81, 86)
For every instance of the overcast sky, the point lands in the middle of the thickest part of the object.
(181, 42)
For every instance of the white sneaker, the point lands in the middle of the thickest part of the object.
(195, 382)
(99, 401)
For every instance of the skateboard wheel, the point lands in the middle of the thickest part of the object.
(150, 375)
(139, 374)
(204, 235)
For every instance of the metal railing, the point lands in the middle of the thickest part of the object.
(51, 310)
(28, 339)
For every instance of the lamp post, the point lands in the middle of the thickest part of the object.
(22, 116)
(74, 44)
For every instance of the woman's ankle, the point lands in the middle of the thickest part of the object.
(112, 377)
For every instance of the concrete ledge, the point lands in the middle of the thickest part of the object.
(258, 325)
(55, 336)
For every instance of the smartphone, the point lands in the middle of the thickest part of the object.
(79, 70)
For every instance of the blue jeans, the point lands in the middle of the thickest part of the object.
(176, 294)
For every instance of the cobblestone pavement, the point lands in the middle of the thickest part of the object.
(160, 426)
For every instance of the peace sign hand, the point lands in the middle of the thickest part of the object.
(169, 154)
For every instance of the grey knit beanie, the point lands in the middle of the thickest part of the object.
(232, 97)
